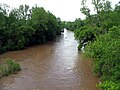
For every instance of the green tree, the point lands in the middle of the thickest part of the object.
(25, 26)
(39, 23)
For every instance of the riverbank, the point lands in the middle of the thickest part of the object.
(54, 65)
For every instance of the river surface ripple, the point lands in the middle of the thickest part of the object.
(56, 65)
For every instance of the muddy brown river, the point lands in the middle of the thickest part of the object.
(56, 65)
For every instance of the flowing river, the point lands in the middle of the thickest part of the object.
(56, 65)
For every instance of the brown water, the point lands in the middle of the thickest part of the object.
(53, 66)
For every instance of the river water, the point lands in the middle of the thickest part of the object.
(56, 65)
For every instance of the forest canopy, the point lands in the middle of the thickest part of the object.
(25, 26)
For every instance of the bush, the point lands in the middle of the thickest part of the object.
(18, 29)
(105, 52)
(86, 34)
(27, 32)
(12, 66)
(109, 85)
(9, 67)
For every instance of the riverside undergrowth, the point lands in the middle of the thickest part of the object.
(9, 67)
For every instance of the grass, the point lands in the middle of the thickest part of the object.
(9, 67)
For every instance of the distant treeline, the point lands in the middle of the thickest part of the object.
(100, 35)
(25, 26)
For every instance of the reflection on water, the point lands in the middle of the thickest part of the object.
(53, 66)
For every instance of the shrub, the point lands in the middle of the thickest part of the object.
(109, 85)
(86, 34)
(9, 67)
(105, 52)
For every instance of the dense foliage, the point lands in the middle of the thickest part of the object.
(105, 52)
(100, 35)
(73, 25)
(9, 67)
(26, 26)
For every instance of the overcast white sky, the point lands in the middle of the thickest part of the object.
(67, 10)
